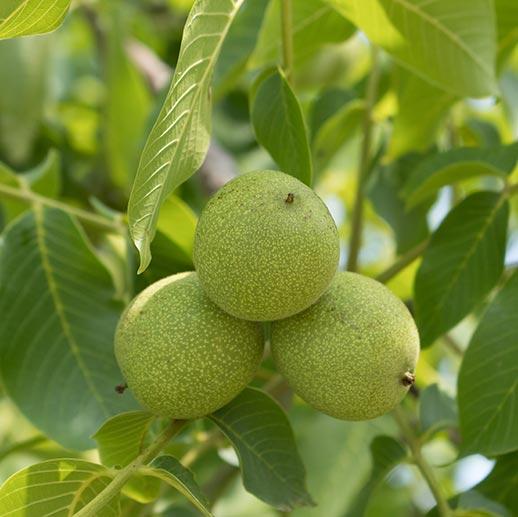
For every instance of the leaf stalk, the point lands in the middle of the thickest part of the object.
(363, 166)
(287, 38)
(121, 478)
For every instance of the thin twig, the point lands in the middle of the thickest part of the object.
(95, 506)
(426, 470)
(402, 262)
(30, 197)
(363, 166)
(287, 38)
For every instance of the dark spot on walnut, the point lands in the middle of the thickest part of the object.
(290, 198)
(408, 379)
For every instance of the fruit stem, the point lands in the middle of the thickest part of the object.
(363, 166)
(426, 470)
(287, 38)
(402, 262)
(95, 506)
(87, 217)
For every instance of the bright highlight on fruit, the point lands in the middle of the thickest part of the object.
(266, 247)
(183, 357)
(353, 354)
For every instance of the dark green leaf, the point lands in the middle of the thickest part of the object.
(56, 487)
(171, 471)
(500, 485)
(279, 125)
(178, 142)
(33, 17)
(335, 132)
(262, 436)
(419, 35)
(410, 227)
(239, 44)
(437, 410)
(456, 165)
(462, 263)
(386, 454)
(326, 105)
(488, 379)
(56, 333)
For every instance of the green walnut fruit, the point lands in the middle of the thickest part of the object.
(352, 355)
(181, 356)
(266, 246)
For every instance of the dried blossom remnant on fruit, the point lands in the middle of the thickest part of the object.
(408, 379)
(290, 198)
(121, 388)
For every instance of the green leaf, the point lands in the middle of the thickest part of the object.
(336, 457)
(335, 131)
(410, 227)
(120, 439)
(23, 93)
(420, 34)
(437, 410)
(178, 142)
(279, 125)
(262, 436)
(462, 263)
(33, 17)
(326, 105)
(56, 333)
(172, 246)
(238, 45)
(507, 25)
(386, 454)
(124, 129)
(422, 109)
(500, 485)
(56, 487)
(456, 165)
(488, 378)
(45, 179)
(171, 471)
(314, 25)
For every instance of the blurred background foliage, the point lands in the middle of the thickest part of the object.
(75, 108)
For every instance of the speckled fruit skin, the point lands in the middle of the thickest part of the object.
(266, 246)
(348, 354)
(182, 356)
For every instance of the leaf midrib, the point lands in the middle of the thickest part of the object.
(144, 235)
(60, 309)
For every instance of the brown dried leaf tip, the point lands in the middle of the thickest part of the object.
(289, 198)
(408, 379)
(121, 388)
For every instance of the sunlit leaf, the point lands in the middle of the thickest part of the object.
(279, 125)
(421, 109)
(462, 263)
(180, 137)
(450, 43)
(488, 379)
(261, 434)
(56, 333)
(33, 17)
(56, 487)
